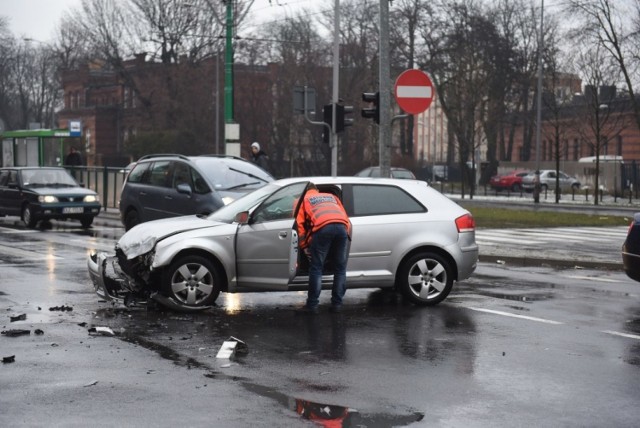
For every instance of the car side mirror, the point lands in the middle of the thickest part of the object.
(242, 217)
(184, 188)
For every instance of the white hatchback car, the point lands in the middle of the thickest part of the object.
(406, 236)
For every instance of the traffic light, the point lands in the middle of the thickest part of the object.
(327, 117)
(371, 112)
(341, 120)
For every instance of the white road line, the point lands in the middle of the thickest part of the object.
(592, 278)
(617, 333)
(509, 314)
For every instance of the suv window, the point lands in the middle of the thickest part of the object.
(377, 200)
(137, 174)
(4, 178)
(199, 183)
(159, 174)
(181, 174)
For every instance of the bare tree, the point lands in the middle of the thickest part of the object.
(600, 118)
(607, 24)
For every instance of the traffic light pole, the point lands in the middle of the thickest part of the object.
(336, 87)
(385, 93)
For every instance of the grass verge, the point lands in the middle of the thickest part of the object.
(496, 218)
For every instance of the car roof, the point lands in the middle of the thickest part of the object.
(351, 180)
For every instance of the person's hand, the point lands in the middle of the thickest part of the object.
(307, 252)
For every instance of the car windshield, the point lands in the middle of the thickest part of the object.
(401, 173)
(47, 177)
(228, 174)
(227, 214)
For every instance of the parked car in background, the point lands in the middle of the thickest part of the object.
(374, 171)
(511, 181)
(161, 186)
(548, 181)
(631, 249)
(407, 236)
(45, 193)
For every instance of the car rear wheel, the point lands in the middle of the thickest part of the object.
(425, 278)
(86, 221)
(131, 219)
(192, 281)
(515, 187)
(28, 218)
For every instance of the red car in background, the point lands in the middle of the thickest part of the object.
(511, 181)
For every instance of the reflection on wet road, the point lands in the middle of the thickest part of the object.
(542, 346)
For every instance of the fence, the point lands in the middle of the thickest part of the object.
(106, 181)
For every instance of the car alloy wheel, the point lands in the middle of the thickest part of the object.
(192, 281)
(426, 278)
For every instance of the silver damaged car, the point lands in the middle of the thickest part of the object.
(406, 236)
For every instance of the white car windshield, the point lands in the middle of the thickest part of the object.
(249, 201)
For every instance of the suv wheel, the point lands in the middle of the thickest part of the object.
(131, 219)
(28, 218)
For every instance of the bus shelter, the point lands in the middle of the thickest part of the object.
(38, 147)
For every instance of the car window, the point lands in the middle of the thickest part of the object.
(199, 183)
(159, 174)
(375, 172)
(137, 174)
(377, 200)
(281, 205)
(401, 173)
(227, 213)
(181, 174)
(4, 178)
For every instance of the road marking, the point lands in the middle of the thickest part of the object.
(30, 255)
(509, 314)
(537, 236)
(8, 230)
(592, 278)
(617, 333)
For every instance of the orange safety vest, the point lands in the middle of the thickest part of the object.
(318, 210)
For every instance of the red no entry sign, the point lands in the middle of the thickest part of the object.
(414, 91)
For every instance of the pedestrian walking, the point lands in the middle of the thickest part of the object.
(324, 228)
(259, 157)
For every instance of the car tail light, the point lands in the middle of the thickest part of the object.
(465, 223)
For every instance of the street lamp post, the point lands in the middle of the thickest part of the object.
(536, 189)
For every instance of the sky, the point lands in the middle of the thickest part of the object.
(37, 19)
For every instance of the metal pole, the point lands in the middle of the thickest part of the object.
(384, 104)
(218, 101)
(228, 66)
(536, 189)
(336, 87)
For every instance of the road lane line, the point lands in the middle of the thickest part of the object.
(509, 314)
(593, 278)
(617, 333)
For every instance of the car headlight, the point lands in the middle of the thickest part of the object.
(91, 198)
(47, 199)
(227, 200)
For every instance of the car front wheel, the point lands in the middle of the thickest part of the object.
(86, 221)
(28, 218)
(192, 281)
(426, 278)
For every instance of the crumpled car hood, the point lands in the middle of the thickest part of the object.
(142, 238)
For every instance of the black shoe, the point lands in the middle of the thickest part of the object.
(335, 309)
(305, 310)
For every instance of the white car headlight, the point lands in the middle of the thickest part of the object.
(47, 199)
(92, 198)
(227, 200)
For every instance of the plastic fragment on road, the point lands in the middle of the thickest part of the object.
(38, 331)
(20, 317)
(10, 359)
(230, 347)
(95, 382)
(101, 331)
(15, 332)
(500, 262)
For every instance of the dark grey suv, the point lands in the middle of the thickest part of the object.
(161, 186)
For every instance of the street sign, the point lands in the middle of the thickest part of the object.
(413, 91)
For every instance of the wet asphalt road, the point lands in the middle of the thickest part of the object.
(513, 346)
